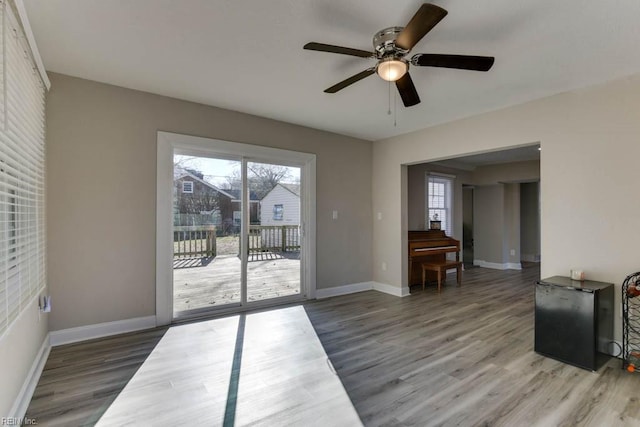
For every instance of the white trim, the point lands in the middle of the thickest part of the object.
(498, 266)
(164, 234)
(100, 330)
(20, 405)
(26, 26)
(344, 290)
(442, 175)
(391, 290)
(362, 287)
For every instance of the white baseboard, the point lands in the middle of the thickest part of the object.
(361, 287)
(344, 290)
(498, 266)
(391, 290)
(530, 257)
(19, 408)
(83, 333)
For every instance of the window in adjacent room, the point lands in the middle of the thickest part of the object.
(439, 201)
(278, 212)
(187, 186)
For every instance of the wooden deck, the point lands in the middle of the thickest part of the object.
(205, 282)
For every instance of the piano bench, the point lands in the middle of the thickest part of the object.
(441, 269)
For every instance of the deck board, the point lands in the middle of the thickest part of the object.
(200, 283)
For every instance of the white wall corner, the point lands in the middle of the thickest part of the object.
(83, 333)
(20, 405)
(343, 290)
(391, 290)
(498, 266)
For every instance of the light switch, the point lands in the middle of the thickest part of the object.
(335, 214)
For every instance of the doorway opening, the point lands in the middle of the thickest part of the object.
(494, 207)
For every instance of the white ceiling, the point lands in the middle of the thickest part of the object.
(247, 55)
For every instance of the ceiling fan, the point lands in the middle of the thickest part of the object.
(392, 44)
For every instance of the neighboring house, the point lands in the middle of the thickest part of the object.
(198, 202)
(281, 205)
(254, 207)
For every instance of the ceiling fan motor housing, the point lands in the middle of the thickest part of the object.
(384, 43)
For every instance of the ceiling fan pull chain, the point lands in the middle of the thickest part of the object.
(395, 109)
(389, 110)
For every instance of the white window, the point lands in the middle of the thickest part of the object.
(278, 212)
(187, 186)
(439, 201)
(22, 232)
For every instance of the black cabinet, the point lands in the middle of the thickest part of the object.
(574, 321)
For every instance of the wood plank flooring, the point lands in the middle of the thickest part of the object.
(463, 357)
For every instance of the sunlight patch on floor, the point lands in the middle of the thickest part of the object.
(284, 376)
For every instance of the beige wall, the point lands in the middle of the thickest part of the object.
(590, 145)
(511, 248)
(530, 221)
(101, 188)
(489, 223)
(507, 172)
(18, 350)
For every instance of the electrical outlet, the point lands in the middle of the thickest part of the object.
(379, 216)
(512, 252)
(335, 215)
(384, 266)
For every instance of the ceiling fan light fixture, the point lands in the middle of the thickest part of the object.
(392, 69)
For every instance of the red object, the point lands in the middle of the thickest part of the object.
(633, 291)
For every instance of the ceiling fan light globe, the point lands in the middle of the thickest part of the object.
(392, 70)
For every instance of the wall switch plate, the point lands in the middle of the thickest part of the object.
(384, 266)
(335, 215)
(379, 216)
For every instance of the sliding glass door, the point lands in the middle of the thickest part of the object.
(273, 261)
(237, 227)
(207, 220)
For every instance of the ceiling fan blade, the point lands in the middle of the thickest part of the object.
(422, 22)
(407, 91)
(339, 49)
(463, 62)
(351, 80)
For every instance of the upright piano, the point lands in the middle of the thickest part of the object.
(429, 246)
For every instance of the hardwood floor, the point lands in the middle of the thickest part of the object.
(461, 357)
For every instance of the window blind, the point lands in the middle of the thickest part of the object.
(22, 148)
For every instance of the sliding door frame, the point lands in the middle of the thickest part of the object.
(167, 144)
